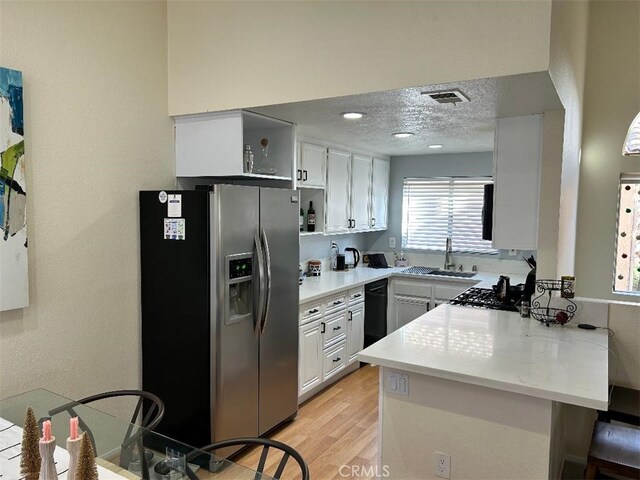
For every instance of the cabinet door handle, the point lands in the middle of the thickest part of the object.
(373, 222)
(304, 175)
(299, 174)
(335, 329)
(350, 316)
(336, 359)
(323, 326)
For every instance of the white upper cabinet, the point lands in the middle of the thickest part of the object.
(361, 166)
(312, 165)
(337, 208)
(379, 194)
(516, 164)
(212, 144)
(353, 188)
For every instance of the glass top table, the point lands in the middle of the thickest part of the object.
(117, 444)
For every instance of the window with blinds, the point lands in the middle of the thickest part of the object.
(436, 208)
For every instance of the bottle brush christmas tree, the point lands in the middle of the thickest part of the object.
(30, 451)
(87, 469)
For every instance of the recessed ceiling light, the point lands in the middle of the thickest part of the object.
(436, 145)
(352, 115)
(402, 134)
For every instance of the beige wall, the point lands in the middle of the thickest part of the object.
(550, 193)
(612, 99)
(97, 131)
(228, 54)
(489, 433)
(567, 59)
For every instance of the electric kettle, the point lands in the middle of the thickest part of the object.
(502, 290)
(352, 256)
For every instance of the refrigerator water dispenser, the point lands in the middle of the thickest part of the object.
(239, 288)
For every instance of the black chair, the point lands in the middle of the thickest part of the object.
(149, 408)
(624, 406)
(266, 443)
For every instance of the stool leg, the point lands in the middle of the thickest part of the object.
(592, 471)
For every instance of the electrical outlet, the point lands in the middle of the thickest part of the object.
(392, 242)
(398, 383)
(513, 252)
(443, 464)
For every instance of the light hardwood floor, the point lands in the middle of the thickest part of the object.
(335, 431)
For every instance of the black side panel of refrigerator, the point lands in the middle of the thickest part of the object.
(175, 315)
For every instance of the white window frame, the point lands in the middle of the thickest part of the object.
(627, 259)
(483, 247)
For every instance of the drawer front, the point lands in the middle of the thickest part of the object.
(310, 312)
(356, 295)
(414, 289)
(449, 291)
(335, 303)
(335, 359)
(335, 328)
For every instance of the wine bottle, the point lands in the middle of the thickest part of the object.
(311, 218)
(301, 223)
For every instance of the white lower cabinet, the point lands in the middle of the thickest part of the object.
(411, 298)
(331, 335)
(355, 331)
(408, 309)
(310, 356)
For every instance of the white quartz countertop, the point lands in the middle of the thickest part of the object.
(501, 350)
(331, 281)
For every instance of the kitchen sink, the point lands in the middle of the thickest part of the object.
(435, 271)
(449, 273)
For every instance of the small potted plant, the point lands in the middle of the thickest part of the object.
(401, 260)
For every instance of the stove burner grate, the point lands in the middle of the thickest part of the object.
(483, 298)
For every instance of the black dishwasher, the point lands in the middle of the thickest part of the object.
(375, 311)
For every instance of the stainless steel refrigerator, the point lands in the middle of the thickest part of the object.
(219, 287)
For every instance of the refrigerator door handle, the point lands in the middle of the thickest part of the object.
(267, 301)
(261, 290)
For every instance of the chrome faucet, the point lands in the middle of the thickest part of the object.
(448, 264)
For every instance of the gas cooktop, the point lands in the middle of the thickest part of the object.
(483, 298)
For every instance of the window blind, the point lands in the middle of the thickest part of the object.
(436, 208)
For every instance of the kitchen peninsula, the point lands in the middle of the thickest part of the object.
(487, 388)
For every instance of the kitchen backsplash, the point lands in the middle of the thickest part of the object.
(318, 247)
(485, 263)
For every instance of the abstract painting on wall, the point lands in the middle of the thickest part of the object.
(14, 279)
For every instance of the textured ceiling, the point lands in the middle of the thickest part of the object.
(465, 127)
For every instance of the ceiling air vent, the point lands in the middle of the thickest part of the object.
(451, 96)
